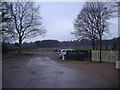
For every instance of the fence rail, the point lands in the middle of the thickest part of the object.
(107, 56)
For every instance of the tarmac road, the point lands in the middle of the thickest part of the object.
(39, 71)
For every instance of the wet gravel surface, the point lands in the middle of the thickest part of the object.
(46, 70)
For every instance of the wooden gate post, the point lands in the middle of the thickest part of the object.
(90, 55)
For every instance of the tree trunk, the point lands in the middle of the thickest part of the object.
(93, 44)
(20, 43)
(19, 50)
(100, 48)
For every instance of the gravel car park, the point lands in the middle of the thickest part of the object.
(45, 70)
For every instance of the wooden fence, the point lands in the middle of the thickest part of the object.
(107, 56)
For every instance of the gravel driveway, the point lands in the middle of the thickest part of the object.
(46, 70)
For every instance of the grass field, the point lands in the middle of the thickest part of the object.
(39, 50)
(82, 48)
(52, 49)
(9, 53)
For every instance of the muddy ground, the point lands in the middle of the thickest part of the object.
(46, 70)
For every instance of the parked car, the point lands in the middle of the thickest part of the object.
(63, 52)
(55, 50)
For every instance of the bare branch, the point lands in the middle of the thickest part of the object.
(91, 22)
(25, 20)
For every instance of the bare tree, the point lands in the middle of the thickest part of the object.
(25, 21)
(84, 25)
(6, 23)
(118, 4)
(0, 21)
(92, 22)
(102, 15)
(116, 8)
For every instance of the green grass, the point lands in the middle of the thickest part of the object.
(39, 50)
(9, 53)
(82, 48)
(52, 49)
(88, 48)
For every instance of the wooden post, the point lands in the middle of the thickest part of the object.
(90, 55)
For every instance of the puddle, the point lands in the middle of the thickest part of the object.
(13, 67)
(40, 61)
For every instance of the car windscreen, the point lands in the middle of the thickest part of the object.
(59, 50)
(63, 50)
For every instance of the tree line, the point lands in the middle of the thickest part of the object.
(22, 20)
(111, 44)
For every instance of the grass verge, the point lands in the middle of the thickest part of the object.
(9, 53)
(39, 50)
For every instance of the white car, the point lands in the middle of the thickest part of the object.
(62, 52)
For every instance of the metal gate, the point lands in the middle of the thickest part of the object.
(107, 56)
(77, 54)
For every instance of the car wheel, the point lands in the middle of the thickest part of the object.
(60, 57)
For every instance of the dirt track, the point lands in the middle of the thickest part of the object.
(46, 70)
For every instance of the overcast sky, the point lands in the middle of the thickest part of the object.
(58, 18)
